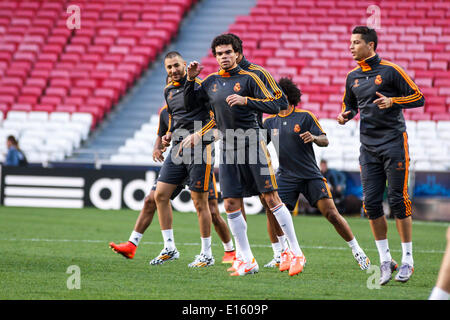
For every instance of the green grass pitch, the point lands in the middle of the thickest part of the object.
(38, 245)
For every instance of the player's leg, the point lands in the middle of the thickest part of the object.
(238, 227)
(145, 217)
(284, 218)
(328, 209)
(442, 289)
(265, 180)
(205, 258)
(128, 249)
(287, 191)
(276, 236)
(373, 181)
(162, 198)
(222, 231)
(397, 172)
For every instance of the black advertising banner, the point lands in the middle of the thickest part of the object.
(75, 187)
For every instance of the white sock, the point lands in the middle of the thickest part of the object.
(354, 245)
(283, 242)
(276, 247)
(284, 219)
(228, 246)
(439, 294)
(238, 228)
(407, 256)
(206, 246)
(383, 250)
(169, 241)
(135, 238)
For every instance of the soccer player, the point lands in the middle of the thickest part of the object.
(276, 235)
(294, 131)
(380, 89)
(236, 97)
(128, 249)
(442, 289)
(175, 169)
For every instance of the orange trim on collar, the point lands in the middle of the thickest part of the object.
(223, 73)
(286, 115)
(363, 64)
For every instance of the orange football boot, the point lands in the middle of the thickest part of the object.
(127, 249)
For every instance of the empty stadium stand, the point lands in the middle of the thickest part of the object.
(47, 67)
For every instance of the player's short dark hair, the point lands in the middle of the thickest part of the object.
(291, 90)
(240, 49)
(367, 34)
(172, 54)
(225, 39)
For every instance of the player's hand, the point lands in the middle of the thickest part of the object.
(236, 100)
(189, 142)
(166, 139)
(158, 154)
(194, 68)
(383, 102)
(343, 117)
(307, 137)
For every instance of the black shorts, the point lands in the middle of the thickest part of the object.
(386, 163)
(198, 173)
(244, 175)
(289, 189)
(213, 194)
(176, 192)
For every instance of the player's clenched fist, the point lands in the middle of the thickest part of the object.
(236, 100)
(193, 70)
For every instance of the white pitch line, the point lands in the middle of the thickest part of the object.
(198, 244)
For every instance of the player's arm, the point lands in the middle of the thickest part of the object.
(349, 103)
(411, 97)
(315, 132)
(273, 87)
(194, 92)
(260, 100)
(266, 125)
(321, 140)
(158, 148)
(167, 137)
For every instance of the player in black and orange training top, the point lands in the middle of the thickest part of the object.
(176, 169)
(293, 132)
(276, 235)
(128, 249)
(379, 90)
(236, 97)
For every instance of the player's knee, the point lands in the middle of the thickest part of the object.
(332, 215)
(272, 199)
(213, 209)
(232, 205)
(399, 207)
(161, 197)
(200, 205)
(373, 211)
(149, 203)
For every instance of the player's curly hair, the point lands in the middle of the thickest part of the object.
(291, 90)
(240, 49)
(225, 39)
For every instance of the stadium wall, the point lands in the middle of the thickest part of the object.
(117, 187)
